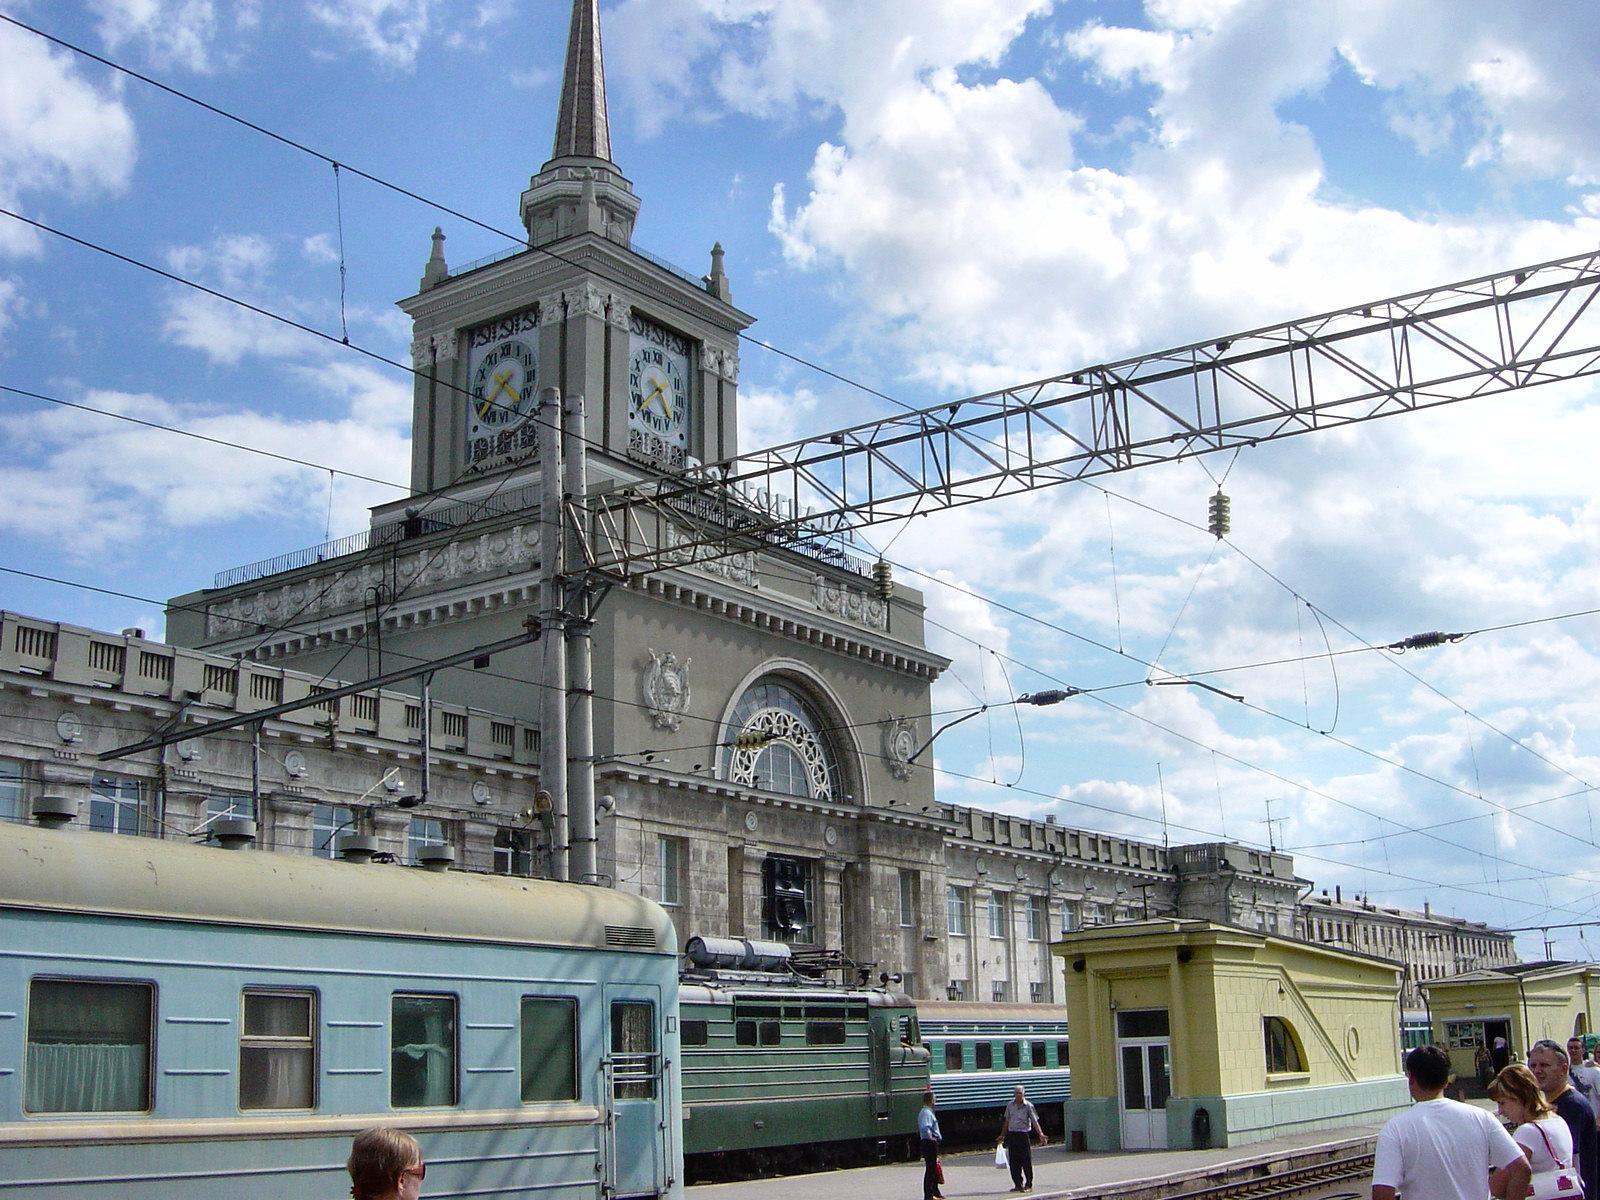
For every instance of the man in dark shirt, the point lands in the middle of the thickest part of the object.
(1548, 1062)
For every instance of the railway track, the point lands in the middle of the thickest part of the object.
(1313, 1180)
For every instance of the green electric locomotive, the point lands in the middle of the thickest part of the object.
(784, 1072)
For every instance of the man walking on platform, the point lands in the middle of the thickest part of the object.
(931, 1140)
(1017, 1130)
(1548, 1062)
(1442, 1149)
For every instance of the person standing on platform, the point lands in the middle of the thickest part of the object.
(1484, 1065)
(931, 1140)
(1017, 1130)
(1442, 1149)
(1585, 1077)
(385, 1164)
(1548, 1061)
(1544, 1137)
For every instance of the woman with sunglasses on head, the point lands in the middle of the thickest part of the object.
(386, 1164)
(1541, 1133)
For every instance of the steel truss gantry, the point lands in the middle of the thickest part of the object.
(1482, 337)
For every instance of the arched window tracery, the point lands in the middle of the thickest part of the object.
(796, 758)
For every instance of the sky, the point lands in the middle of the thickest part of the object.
(929, 199)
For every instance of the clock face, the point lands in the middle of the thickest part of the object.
(503, 389)
(658, 394)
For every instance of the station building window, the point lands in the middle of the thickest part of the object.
(10, 790)
(549, 1049)
(999, 990)
(422, 1051)
(908, 899)
(328, 823)
(1038, 918)
(956, 990)
(422, 833)
(669, 869)
(1036, 992)
(89, 1046)
(997, 914)
(1282, 1047)
(785, 747)
(957, 902)
(513, 852)
(116, 805)
(278, 1050)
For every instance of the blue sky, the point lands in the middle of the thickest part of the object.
(930, 198)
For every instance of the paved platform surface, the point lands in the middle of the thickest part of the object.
(1056, 1172)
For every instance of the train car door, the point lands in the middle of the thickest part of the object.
(879, 1066)
(1144, 1076)
(637, 1091)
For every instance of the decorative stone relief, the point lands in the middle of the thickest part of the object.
(899, 744)
(739, 568)
(441, 347)
(853, 604)
(586, 301)
(722, 362)
(666, 689)
(415, 573)
(550, 309)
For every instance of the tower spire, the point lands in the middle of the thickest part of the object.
(580, 189)
(582, 128)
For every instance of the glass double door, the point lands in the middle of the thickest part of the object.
(1144, 1077)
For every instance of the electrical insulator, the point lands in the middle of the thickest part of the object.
(751, 739)
(883, 579)
(1220, 517)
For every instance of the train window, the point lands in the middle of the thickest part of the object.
(1013, 1052)
(694, 1033)
(278, 1050)
(633, 1050)
(744, 1033)
(771, 1033)
(983, 1055)
(824, 1033)
(1063, 1055)
(952, 1056)
(422, 1050)
(1039, 1058)
(89, 1046)
(549, 1049)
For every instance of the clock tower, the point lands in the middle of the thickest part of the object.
(651, 348)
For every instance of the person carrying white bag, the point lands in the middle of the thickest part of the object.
(1017, 1130)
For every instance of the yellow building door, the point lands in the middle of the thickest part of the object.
(1144, 1077)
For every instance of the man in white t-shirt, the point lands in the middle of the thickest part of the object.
(1441, 1149)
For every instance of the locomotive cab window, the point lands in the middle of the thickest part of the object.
(422, 1051)
(825, 1033)
(277, 1050)
(983, 1056)
(89, 1046)
(952, 1056)
(549, 1049)
(694, 1033)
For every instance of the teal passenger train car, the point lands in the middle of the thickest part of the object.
(980, 1052)
(785, 1072)
(184, 1022)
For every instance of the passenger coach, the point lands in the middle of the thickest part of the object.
(178, 1021)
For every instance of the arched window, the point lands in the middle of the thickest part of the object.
(1283, 1048)
(796, 758)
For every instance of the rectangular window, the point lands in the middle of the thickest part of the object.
(956, 910)
(983, 1056)
(997, 914)
(999, 990)
(115, 805)
(1063, 1055)
(422, 1051)
(229, 804)
(824, 1033)
(908, 899)
(744, 1033)
(633, 1049)
(89, 1047)
(1036, 992)
(694, 1033)
(957, 990)
(1013, 1052)
(669, 867)
(513, 852)
(1036, 1051)
(422, 833)
(952, 1056)
(1038, 918)
(1069, 917)
(549, 1049)
(278, 1050)
(10, 790)
(330, 822)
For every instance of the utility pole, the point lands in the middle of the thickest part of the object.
(553, 614)
(584, 855)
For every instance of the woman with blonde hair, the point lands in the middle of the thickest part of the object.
(1544, 1137)
(386, 1164)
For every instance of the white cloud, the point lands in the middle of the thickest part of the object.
(392, 31)
(171, 33)
(58, 133)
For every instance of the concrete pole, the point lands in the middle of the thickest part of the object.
(580, 667)
(553, 696)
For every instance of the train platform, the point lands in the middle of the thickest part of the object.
(1059, 1173)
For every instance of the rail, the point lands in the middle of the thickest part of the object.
(1312, 1179)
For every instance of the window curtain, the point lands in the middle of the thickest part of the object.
(422, 1066)
(88, 1047)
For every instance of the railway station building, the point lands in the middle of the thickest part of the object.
(1195, 1033)
(1520, 1002)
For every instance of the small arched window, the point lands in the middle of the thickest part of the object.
(790, 752)
(1283, 1048)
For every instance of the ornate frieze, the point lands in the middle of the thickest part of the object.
(314, 596)
(425, 351)
(724, 363)
(742, 568)
(665, 683)
(853, 604)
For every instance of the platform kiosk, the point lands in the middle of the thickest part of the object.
(1519, 1003)
(1188, 1034)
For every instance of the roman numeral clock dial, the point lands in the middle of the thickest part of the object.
(658, 394)
(503, 382)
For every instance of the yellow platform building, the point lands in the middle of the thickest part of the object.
(1191, 1033)
(1520, 1003)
